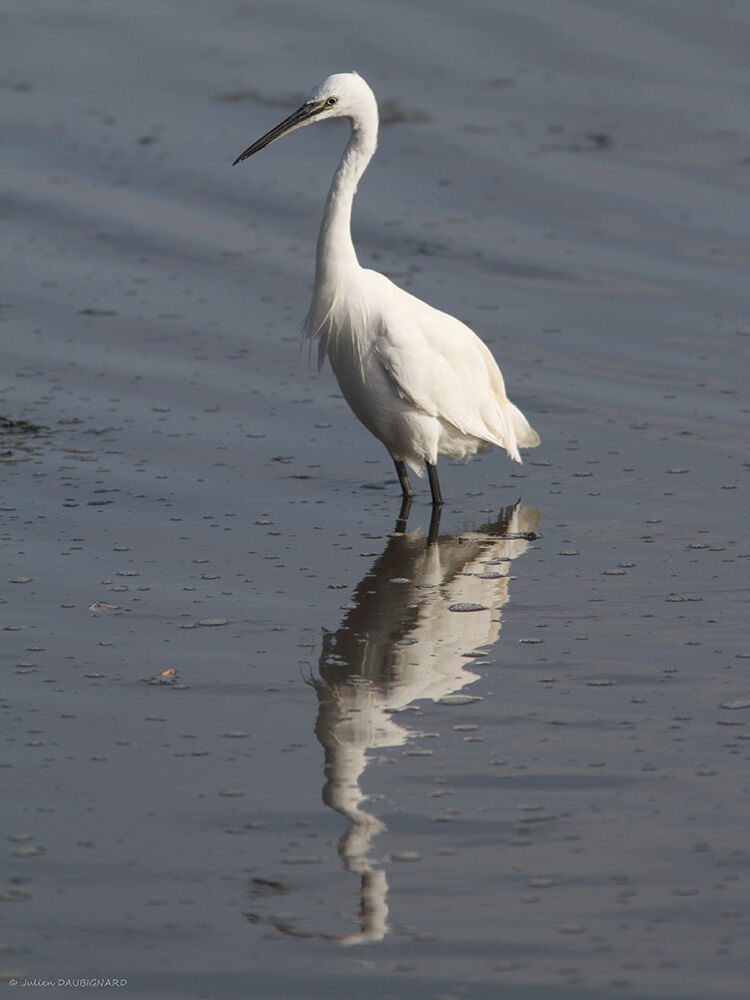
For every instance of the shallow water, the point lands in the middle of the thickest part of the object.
(260, 744)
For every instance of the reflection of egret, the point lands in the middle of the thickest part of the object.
(413, 619)
(418, 379)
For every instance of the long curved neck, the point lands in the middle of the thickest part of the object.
(335, 250)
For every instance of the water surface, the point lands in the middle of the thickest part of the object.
(261, 744)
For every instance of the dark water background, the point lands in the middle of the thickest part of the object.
(340, 782)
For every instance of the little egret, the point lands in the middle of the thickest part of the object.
(418, 379)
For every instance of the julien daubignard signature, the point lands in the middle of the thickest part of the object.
(82, 983)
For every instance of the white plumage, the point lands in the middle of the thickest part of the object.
(418, 379)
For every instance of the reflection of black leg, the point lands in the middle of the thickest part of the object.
(432, 536)
(434, 485)
(505, 515)
(501, 527)
(403, 478)
(403, 515)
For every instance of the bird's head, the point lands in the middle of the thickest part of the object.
(342, 95)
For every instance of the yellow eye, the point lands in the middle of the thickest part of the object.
(331, 101)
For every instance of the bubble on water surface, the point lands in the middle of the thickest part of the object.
(459, 699)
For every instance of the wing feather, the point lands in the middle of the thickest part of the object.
(441, 367)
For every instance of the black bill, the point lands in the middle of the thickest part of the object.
(297, 118)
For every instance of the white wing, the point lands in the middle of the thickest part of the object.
(444, 369)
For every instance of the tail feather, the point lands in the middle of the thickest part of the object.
(526, 436)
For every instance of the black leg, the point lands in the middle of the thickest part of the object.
(437, 500)
(403, 478)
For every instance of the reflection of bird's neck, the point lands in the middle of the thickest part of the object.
(335, 248)
(345, 762)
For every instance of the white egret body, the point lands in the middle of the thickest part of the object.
(418, 379)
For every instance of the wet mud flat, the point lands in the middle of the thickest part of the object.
(262, 739)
